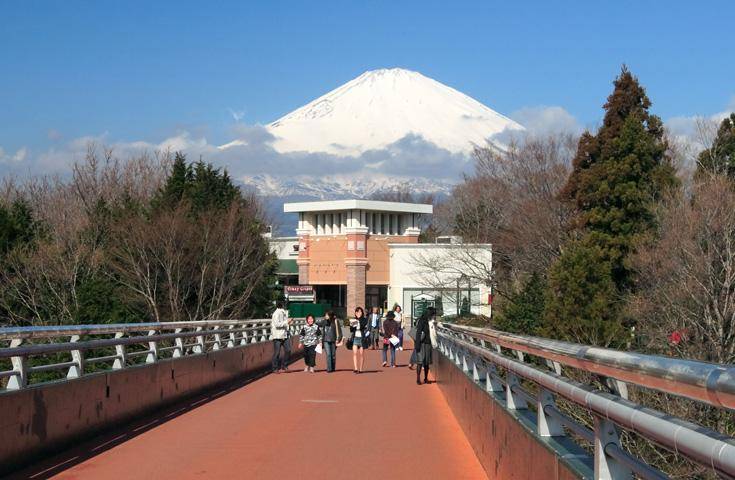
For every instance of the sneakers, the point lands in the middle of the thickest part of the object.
(385, 363)
(311, 369)
(306, 369)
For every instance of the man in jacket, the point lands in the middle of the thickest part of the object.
(374, 322)
(279, 336)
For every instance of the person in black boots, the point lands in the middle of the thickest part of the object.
(422, 345)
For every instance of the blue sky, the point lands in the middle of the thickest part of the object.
(144, 71)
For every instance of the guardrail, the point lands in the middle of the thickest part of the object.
(479, 352)
(30, 349)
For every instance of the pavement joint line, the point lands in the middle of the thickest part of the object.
(175, 412)
(146, 425)
(54, 467)
(109, 441)
(320, 401)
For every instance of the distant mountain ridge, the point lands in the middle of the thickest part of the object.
(341, 187)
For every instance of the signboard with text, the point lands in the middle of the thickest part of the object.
(299, 293)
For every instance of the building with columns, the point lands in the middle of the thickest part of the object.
(364, 253)
(344, 247)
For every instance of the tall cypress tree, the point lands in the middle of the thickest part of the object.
(720, 157)
(617, 176)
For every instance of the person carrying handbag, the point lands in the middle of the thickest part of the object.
(423, 346)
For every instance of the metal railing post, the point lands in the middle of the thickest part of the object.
(152, 349)
(492, 382)
(200, 346)
(178, 345)
(606, 467)
(513, 400)
(231, 337)
(547, 425)
(122, 357)
(77, 356)
(20, 378)
(217, 339)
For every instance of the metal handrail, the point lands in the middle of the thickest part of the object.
(706, 382)
(468, 348)
(209, 335)
(8, 333)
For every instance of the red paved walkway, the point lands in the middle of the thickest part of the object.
(379, 424)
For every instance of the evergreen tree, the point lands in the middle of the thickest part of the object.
(582, 301)
(720, 157)
(524, 311)
(200, 184)
(618, 175)
(16, 226)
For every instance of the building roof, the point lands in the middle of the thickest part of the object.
(374, 205)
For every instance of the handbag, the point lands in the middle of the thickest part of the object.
(348, 343)
(412, 332)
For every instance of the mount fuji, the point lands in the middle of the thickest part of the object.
(381, 132)
(381, 107)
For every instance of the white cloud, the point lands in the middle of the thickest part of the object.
(694, 133)
(546, 120)
(18, 157)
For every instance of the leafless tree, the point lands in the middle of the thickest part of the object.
(44, 277)
(184, 268)
(688, 275)
(512, 201)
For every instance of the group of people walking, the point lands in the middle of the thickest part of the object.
(365, 331)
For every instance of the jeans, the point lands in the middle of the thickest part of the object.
(279, 361)
(384, 353)
(413, 357)
(310, 355)
(330, 351)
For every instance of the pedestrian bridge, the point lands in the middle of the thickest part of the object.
(195, 400)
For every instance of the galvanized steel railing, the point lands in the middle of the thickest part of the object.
(479, 352)
(30, 349)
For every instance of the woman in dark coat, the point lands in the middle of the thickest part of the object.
(422, 345)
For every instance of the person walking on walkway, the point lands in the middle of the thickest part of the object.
(375, 318)
(398, 312)
(331, 339)
(359, 330)
(422, 344)
(389, 332)
(279, 335)
(309, 338)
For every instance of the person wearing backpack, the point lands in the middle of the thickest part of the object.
(279, 336)
(309, 338)
(331, 338)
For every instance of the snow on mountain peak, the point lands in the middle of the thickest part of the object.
(380, 107)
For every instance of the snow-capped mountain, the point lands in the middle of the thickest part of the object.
(387, 127)
(379, 108)
(341, 186)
